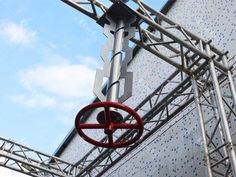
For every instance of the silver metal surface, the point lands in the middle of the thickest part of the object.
(230, 78)
(115, 65)
(190, 64)
(113, 86)
(224, 121)
(201, 122)
(167, 34)
(29, 161)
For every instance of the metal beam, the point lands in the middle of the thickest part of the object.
(29, 161)
(187, 41)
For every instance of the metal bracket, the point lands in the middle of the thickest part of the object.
(110, 22)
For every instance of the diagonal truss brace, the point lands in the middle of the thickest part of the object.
(155, 113)
(183, 46)
(32, 162)
(176, 101)
(189, 54)
(216, 131)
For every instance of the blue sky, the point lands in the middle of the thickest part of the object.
(48, 56)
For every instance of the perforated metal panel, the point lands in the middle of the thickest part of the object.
(176, 149)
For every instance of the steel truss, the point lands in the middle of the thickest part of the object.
(204, 67)
(32, 162)
(216, 132)
(156, 110)
(201, 77)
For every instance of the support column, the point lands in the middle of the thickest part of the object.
(115, 71)
(201, 120)
(224, 121)
(231, 82)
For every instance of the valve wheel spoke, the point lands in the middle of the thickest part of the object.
(92, 126)
(107, 116)
(110, 139)
(126, 126)
(109, 124)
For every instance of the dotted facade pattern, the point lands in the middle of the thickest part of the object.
(176, 150)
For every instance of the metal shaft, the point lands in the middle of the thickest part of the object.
(116, 60)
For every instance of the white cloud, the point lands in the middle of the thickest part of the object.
(50, 58)
(17, 33)
(4, 172)
(61, 86)
(60, 80)
(34, 100)
(90, 61)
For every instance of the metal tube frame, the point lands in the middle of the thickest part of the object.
(29, 161)
(201, 122)
(115, 71)
(205, 70)
(224, 121)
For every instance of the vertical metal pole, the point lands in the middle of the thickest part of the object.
(224, 122)
(200, 115)
(113, 86)
(230, 79)
(217, 117)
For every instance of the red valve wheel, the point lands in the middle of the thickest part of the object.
(109, 124)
